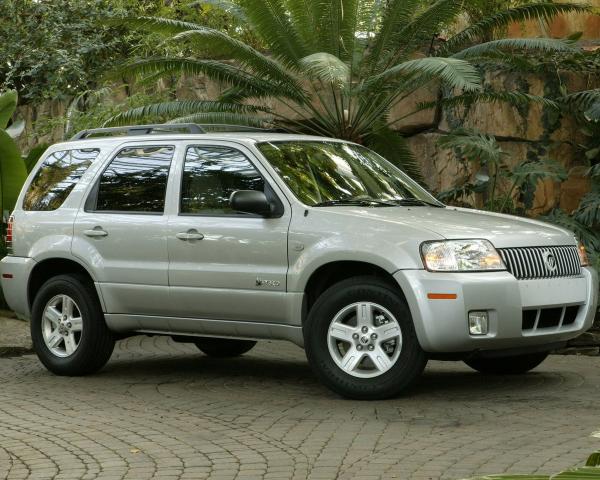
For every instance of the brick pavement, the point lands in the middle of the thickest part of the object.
(163, 410)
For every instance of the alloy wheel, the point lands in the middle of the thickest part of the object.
(364, 339)
(62, 325)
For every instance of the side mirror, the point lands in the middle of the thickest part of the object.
(250, 201)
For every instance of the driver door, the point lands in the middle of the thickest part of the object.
(223, 264)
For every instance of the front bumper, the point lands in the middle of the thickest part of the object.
(441, 324)
(15, 287)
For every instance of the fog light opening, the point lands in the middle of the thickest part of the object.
(478, 322)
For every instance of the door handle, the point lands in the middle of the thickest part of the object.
(189, 235)
(95, 232)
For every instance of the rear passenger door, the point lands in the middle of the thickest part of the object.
(225, 264)
(120, 232)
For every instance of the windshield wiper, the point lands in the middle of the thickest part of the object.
(415, 202)
(362, 202)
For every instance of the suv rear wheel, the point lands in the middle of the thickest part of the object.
(223, 347)
(507, 365)
(360, 340)
(68, 330)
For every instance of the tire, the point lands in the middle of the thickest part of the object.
(363, 374)
(507, 365)
(223, 347)
(91, 344)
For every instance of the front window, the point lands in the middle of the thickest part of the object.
(329, 173)
(210, 175)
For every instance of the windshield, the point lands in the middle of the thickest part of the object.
(330, 173)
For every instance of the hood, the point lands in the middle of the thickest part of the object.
(455, 223)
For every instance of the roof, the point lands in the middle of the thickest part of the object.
(244, 137)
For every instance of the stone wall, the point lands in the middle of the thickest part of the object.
(524, 133)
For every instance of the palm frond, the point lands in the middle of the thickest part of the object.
(473, 145)
(491, 23)
(269, 19)
(159, 25)
(349, 18)
(588, 211)
(327, 68)
(303, 15)
(228, 7)
(223, 45)
(228, 118)
(169, 110)
(393, 147)
(454, 72)
(516, 99)
(539, 44)
(219, 71)
(531, 172)
(423, 26)
(593, 113)
(586, 101)
(395, 14)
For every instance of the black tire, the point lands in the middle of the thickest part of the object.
(96, 342)
(223, 347)
(507, 365)
(411, 361)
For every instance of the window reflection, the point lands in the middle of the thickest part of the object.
(211, 175)
(57, 176)
(323, 171)
(136, 180)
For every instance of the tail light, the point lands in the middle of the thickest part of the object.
(8, 239)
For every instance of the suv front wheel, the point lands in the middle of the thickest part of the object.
(360, 340)
(68, 330)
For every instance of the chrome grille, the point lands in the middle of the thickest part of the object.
(541, 262)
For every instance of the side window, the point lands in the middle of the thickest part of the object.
(135, 181)
(211, 175)
(56, 177)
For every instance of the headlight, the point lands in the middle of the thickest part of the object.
(583, 258)
(460, 256)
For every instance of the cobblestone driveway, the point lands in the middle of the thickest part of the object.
(161, 409)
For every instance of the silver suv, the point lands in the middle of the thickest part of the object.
(222, 239)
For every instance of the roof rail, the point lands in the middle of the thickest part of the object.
(166, 127)
(140, 130)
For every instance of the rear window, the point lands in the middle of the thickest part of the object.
(135, 181)
(56, 177)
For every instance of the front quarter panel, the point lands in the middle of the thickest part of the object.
(323, 236)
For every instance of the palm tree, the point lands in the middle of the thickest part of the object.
(339, 66)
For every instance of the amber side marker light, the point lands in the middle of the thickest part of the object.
(441, 296)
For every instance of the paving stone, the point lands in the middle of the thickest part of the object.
(161, 409)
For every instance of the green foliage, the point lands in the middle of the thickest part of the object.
(340, 67)
(590, 471)
(8, 104)
(12, 167)
(55, 49)
(92, 109)
(34, 155)
(484, 152)
(585, 220)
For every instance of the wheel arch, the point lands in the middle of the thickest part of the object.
(333, 272)
(51, 267)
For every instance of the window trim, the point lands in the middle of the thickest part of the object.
(91, 201)
(280, 208)
(40, 164)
